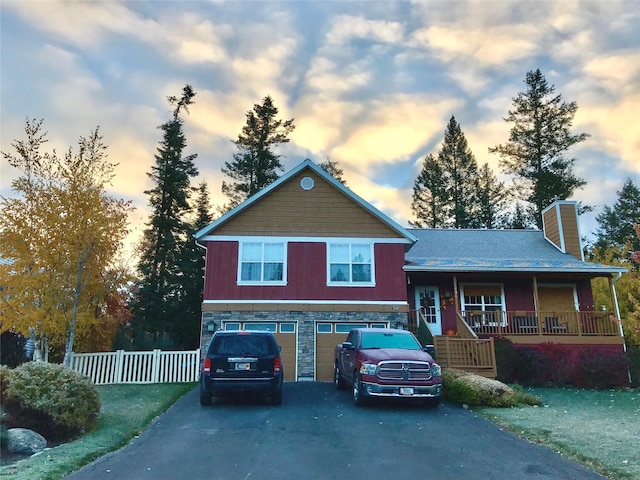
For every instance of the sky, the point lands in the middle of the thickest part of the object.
(371, 85)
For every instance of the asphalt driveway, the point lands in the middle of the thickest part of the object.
(318, 433)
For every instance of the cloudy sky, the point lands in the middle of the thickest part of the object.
(371, 84)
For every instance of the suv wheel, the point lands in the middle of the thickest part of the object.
(276, 397)
(205, 398)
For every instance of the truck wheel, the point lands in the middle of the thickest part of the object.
(338, 380)
(359, 397)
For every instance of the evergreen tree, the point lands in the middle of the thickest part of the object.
(188, 334)
(333, 169)
(538, 141)
(429, 195)
(616, 223)
(492, 198)
(461, 178)
(255, 165)
(158, 309)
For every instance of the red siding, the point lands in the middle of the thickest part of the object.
(306, 275)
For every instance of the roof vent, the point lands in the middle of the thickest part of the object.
(307, 183)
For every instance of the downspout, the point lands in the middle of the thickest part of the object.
(617, 309)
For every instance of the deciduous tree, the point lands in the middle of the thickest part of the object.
(255, 165)
(62, 234)
(535, 153)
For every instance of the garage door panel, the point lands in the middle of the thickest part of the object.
(325, 348)
(287, 342)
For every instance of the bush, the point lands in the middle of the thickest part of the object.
(532, 366)
(56, 402)
(633, 353)
(506, 359)
(12, 349)
(602, 370)
(474, 390)
(560, 363)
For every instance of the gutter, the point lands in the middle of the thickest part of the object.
(617, 309)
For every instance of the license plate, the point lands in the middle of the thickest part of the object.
(406, 390)
(243, 366)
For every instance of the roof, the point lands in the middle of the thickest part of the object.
(410, 239)
(460, 250)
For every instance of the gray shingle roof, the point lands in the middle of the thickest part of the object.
(449, 250)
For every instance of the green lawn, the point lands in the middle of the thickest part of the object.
(600, 429)
(126, 411)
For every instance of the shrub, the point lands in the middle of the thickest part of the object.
(633, 353)
(560, 362)
(602, 369)
(12, 349)
(56, 402)
(474, 390)
(532, 366)
(506, 359)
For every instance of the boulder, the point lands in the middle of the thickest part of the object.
(24, 441)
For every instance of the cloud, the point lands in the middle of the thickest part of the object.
(348, 28)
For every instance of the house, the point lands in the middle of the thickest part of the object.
(308, 259)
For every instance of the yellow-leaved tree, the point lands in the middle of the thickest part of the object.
(61, 236)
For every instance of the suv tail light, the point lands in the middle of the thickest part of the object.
(276, 365)
(207, 365)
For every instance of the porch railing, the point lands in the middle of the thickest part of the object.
(138, 367)
(591, 323)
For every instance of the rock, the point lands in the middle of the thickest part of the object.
(21, 440)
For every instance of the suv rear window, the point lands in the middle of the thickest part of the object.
(241, 345)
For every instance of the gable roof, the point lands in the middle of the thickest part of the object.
(460, 250)
(307, 164)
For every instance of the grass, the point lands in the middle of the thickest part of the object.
(597, 428)
(126, 411)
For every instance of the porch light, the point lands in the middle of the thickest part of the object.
(211, 326)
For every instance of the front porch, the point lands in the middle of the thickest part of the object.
(471, 347)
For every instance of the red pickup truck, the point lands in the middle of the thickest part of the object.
(383, 362)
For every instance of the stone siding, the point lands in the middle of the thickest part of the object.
(306, 321)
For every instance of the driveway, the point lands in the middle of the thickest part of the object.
(318, 433)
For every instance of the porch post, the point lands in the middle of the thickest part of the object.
(536, 305)
(616, 309)
(455, 294)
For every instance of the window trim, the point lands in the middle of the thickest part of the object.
(262, 242)
(351, 283)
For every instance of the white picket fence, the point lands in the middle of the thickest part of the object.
(155, 366)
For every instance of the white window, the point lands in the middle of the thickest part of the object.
(262, 263)
(350, 264)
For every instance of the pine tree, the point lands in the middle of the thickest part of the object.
(461, 178)
(188, 332)
(429, 196)
(616, 223)
(158, 308)
(492, 197)
(333, 169)
(255, 165)
(538, 141)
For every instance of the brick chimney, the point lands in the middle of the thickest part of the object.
(560, 227)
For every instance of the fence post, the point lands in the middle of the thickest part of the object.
(71, 361)
(155, 366)
(119, 366)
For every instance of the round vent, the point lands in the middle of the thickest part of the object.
(307, 183)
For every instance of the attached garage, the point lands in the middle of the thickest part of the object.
(286, 335)
(328, 335)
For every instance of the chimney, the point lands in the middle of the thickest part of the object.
(560, 227)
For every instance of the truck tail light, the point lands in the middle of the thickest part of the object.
(207, 365)
(276, 365)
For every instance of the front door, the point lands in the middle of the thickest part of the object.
(428, 302)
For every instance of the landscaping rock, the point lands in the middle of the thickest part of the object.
(21, 440)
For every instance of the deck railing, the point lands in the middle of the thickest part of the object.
(155, 366)
(591, 323)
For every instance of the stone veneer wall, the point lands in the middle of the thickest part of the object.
(305, 320)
